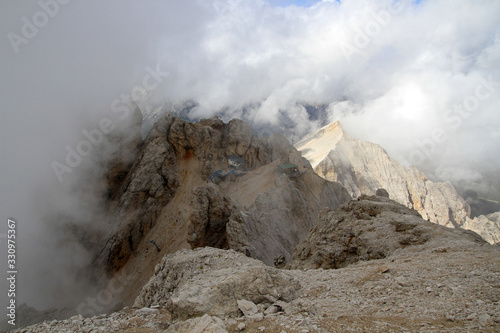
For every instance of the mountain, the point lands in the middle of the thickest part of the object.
(488, 226)
(212, 228)
(395, 272)
(181, 192)
(363, 167)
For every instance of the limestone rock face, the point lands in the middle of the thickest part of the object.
(488, 226)
(280, 217)
(165, 201)
(215, 220)
(211, 281)
(364, 167)
(150, 184)
(204, 324)
(372, 227)
(175, 155)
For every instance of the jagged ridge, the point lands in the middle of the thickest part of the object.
(363, 167)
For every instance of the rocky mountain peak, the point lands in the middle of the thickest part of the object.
(183, 190)
(316, 146)
(363, 167)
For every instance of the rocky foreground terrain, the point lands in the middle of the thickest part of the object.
(373, 265)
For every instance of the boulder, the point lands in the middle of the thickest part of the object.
(382, 192)
(213, 281)
(204, 324)
(248, 308)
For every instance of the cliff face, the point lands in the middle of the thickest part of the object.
(488, 226)
(279, 210)
(363, 167)
(167, 197)
(175, 157)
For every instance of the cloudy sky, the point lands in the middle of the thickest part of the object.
(418, 77)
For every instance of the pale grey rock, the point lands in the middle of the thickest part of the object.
(271, 310)
(363, 167)
(488, 226)
(248, 308)
(484, 319)
(279, 218)
(147, 311)
(191, 286)
(256, 317)
(204, 324)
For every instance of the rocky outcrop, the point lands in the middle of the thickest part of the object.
(363, 167)
(372, 227)
(176, 154)
(204, 324)
(167, 201)
(488, 226)
(394, 270)
(211, 281)
(149, 185)
(215, 220)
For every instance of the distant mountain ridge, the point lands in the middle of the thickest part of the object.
(363, 167)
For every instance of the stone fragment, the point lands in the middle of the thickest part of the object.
(248, 308)
(271, 310)
(204, 324)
